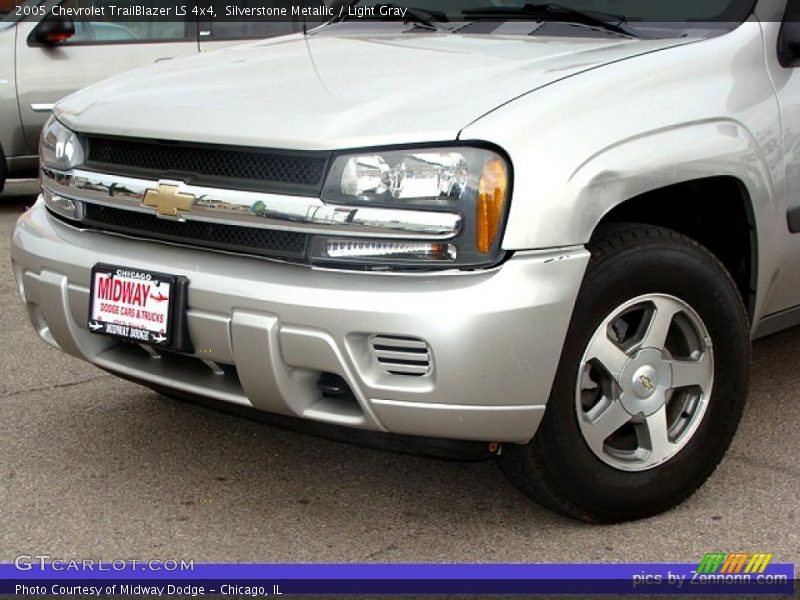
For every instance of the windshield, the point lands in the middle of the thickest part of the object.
(676, 11)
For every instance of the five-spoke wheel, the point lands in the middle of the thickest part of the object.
(650, 386)
(645, 380)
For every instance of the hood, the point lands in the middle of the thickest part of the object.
(326, 91)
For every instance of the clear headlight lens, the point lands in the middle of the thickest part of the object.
(422, 175)
(473, 182)
(59, 148)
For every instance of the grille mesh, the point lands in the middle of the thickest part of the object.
(252, 240)
(203, 163)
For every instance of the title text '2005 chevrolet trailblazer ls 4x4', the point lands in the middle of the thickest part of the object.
(531, 225)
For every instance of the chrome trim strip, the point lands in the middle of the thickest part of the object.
(233, 207)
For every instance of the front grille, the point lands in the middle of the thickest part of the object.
(252, 240)
(402, 355)
(236, 168)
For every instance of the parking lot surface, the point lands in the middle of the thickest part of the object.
(95, 467)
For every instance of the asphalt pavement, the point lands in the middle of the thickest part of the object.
(95, 467)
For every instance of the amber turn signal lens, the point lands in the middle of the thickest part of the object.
(491, 203)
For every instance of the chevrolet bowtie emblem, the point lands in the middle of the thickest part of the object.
(647, 383)
(168, 201)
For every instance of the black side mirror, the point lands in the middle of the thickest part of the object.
(54, 30)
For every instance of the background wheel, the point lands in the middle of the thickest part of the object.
(651, 384)
(3, 170)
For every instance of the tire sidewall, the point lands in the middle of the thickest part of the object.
(694, 276)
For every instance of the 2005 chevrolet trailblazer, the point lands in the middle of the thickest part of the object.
(525, 224)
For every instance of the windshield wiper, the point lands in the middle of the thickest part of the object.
(418, 16)
(551, 13)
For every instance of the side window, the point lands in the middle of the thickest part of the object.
(250, 26)
(8, 9)
(237, 30)
(106, 30)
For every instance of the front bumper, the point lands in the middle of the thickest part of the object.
(264, 332)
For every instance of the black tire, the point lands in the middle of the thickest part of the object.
(557, 468)
(3, 170)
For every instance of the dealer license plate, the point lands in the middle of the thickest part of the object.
(132, 304)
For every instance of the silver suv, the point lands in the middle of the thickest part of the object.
(541, 227)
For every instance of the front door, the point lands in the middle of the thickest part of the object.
(98, 50)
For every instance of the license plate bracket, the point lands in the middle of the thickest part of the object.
(139, 306)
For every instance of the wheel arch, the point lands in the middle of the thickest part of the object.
(704, 180)
(692, 208)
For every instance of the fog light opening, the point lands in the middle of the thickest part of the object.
(333, 387)
(336, 396)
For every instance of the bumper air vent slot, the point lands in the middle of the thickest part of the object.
(406, 356)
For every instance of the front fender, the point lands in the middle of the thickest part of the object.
(662, 158)
(653, 161)
(689, 152)
(584, 145)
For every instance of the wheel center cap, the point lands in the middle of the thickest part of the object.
(645, 381)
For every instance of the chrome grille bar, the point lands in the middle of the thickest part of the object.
(254, 209)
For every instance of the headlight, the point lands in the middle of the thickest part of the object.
(421, 176)
(59, 147)
(472, 182)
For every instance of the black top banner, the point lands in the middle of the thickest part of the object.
(437, 11)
